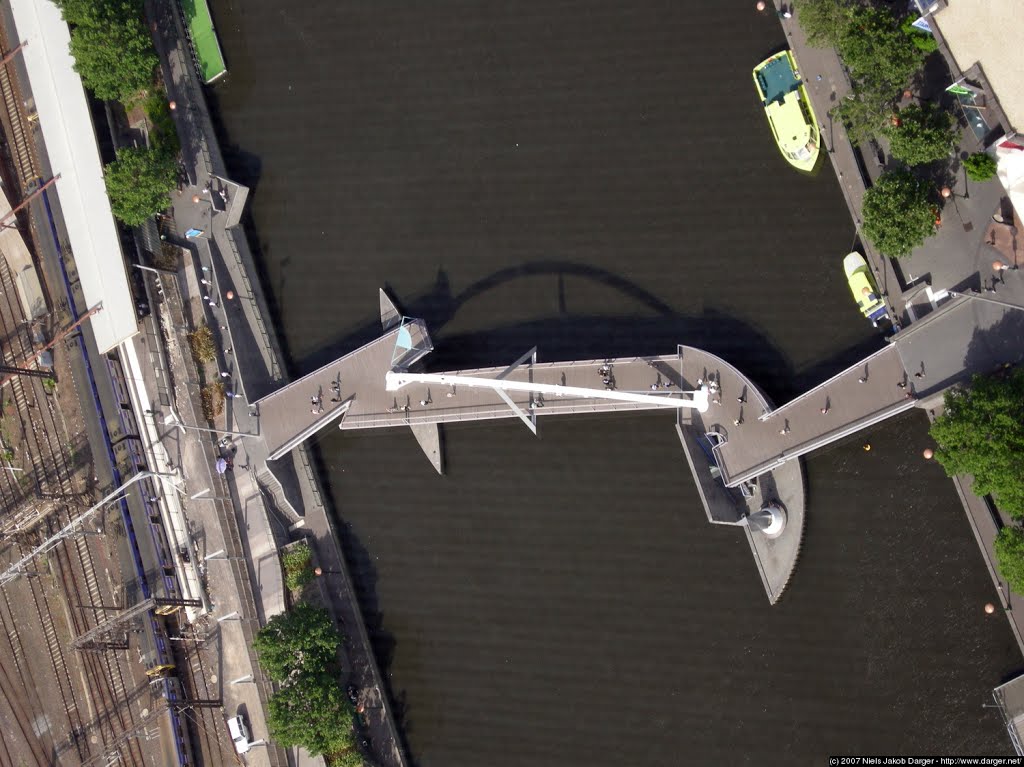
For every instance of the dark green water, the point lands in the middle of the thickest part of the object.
(597, 179)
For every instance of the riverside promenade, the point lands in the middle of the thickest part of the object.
(250, 352)
(958, 257)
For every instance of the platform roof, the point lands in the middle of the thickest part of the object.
(988, 33)
(71, 146)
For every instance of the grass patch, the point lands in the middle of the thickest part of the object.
(298, 566)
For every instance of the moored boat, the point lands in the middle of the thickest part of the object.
(863, 287)
(788, 109)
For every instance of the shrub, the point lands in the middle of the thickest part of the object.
(212, 396)
(924, 135)
(980, 166)
(981, 433)
(139, 183)
(201, 343)
(163, 135)
(897, 214)
(298, 566)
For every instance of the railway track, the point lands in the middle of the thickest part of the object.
(73, 558)
(22, 150)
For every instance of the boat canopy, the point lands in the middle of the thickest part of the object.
(776, 78)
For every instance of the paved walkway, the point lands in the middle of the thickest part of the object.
(250, 353)
(958, 258)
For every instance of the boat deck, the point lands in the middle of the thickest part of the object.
(777, 79)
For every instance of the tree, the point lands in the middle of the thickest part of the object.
(1009, 548)
(96, 12)
(982, 434)
(923, 135)
(311, 711)
(823, 21)
(897, 214)
(139, 183)
(980, 167)
(300, 641)
(923, 41)
(880, 56)
(864, 115)
(115, 57)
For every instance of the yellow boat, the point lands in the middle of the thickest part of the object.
(788, 109)
(862, 286)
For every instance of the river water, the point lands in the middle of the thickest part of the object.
(596, 180)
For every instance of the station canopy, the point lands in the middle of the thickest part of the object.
(67, 128)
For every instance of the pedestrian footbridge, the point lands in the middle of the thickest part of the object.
(382, 384)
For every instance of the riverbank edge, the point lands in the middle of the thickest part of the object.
(981, 517)
(244, 272)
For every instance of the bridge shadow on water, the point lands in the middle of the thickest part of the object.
(562, 337)
(568, 336)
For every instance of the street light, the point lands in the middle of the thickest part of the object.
(173, 419)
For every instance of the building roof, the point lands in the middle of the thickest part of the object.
(71, 146)
(987, 32)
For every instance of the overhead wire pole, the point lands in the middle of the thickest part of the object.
(18, 568)
(11, 213)
(23, 363)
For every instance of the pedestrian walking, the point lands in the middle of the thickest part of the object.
(902, 384)
(824, 410)
(205, 281)
(784, 430)
(735, 421)
(224, 374)
(227, 350)
(918, 375)
(862, 379)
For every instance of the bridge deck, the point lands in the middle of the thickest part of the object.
(965, 336)
(763, 440)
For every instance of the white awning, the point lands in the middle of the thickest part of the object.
(1010, 159)
(71, 146)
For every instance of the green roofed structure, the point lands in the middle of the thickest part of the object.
(209, 57)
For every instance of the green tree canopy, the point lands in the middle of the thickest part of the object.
(300, 641)
(311, 711)
(824, 21)
(982, 434)
(139, 183)
(897, 214)
(864, 115)
(880, 56)
(1009, 548)
(924, 135)
(80, 12)
(113, 54)
(980, 167)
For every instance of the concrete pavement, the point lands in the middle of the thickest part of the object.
(251, 353)
(958, 258)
